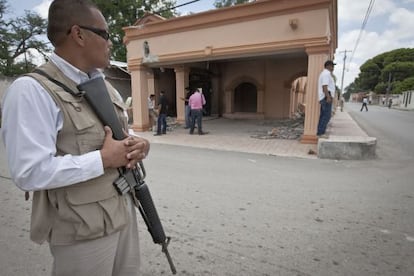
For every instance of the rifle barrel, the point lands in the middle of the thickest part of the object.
(167, 254)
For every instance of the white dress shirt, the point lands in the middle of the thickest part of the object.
(325, 78)
(31, 122)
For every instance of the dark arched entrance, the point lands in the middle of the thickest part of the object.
(245, 98)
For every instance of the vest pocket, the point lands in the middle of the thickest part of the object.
(95, 210)
(78, 112)
(99, 218)
(88, 129)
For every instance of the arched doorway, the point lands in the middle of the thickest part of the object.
(245, 98)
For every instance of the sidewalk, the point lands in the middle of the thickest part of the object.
(236, 135)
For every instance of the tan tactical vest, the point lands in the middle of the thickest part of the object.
(86, 210)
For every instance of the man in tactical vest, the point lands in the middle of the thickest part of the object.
(58, 148)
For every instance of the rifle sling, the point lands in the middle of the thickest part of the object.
(58, 83)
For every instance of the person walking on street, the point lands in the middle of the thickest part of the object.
(58, 149)
(196, 103)
(364, 104)
(326, 88)
(390, 103)
(162, 115)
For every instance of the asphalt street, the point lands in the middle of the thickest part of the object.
(232, 213)
(392, 127)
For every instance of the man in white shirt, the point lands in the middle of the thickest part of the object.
(151, 112)
(58, 149)
(326, 90)
(364, 104)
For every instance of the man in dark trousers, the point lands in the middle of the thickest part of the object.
(196, 102)
(364, 104)
(162, 115)
(326, 90)
(187, 108)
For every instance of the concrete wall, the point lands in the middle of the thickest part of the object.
(274, 75)
(4, 84)
(227, 38)
(120, 80)
(406, 100)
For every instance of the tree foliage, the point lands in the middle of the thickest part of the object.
(123, 13)
(227, 3)
(391, 71)
(405, 85)
(17, 37)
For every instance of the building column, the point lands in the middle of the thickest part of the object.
(260, 99)
(228, 101)
(139, 93)
(316, 59)
(151, 82)
(293, 99)
(181, 82)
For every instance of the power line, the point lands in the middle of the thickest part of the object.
(364, 23)
(172, 8)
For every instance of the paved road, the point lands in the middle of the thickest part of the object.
(392, 127)
(235, 213)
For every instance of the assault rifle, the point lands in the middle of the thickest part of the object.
(96, 93)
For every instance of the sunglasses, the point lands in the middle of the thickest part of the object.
(101, 32)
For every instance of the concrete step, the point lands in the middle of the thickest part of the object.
(346, 141)
(347, 147)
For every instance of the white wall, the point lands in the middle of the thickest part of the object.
(4, 84)
(407, 100)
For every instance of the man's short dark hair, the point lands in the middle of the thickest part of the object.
(328, 63)
(63, 14)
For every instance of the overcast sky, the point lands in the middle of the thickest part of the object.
(390, 26)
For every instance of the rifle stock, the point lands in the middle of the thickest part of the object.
(96, 93)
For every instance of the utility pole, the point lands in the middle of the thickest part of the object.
(343, 71)
(389, 84)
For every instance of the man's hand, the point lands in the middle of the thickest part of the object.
(114, 153)
(126, 153)
(137, 148)
(328, 99)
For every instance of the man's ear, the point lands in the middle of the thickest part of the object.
(77, 35)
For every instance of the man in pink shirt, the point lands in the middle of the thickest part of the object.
(196, 102)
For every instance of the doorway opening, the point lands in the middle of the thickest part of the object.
(245, 98)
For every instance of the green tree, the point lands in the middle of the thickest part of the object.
(405, 85)
(227, 3)
(124, 13)
(17, 37)
(381, 88)
(388, 69)
(349, 90)
(399, 70)
(369, 75)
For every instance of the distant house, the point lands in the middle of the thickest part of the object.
(244, 58)
(117, 74)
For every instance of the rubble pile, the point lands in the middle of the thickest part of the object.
(290, 129)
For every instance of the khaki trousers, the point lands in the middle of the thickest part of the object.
(113, 255)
